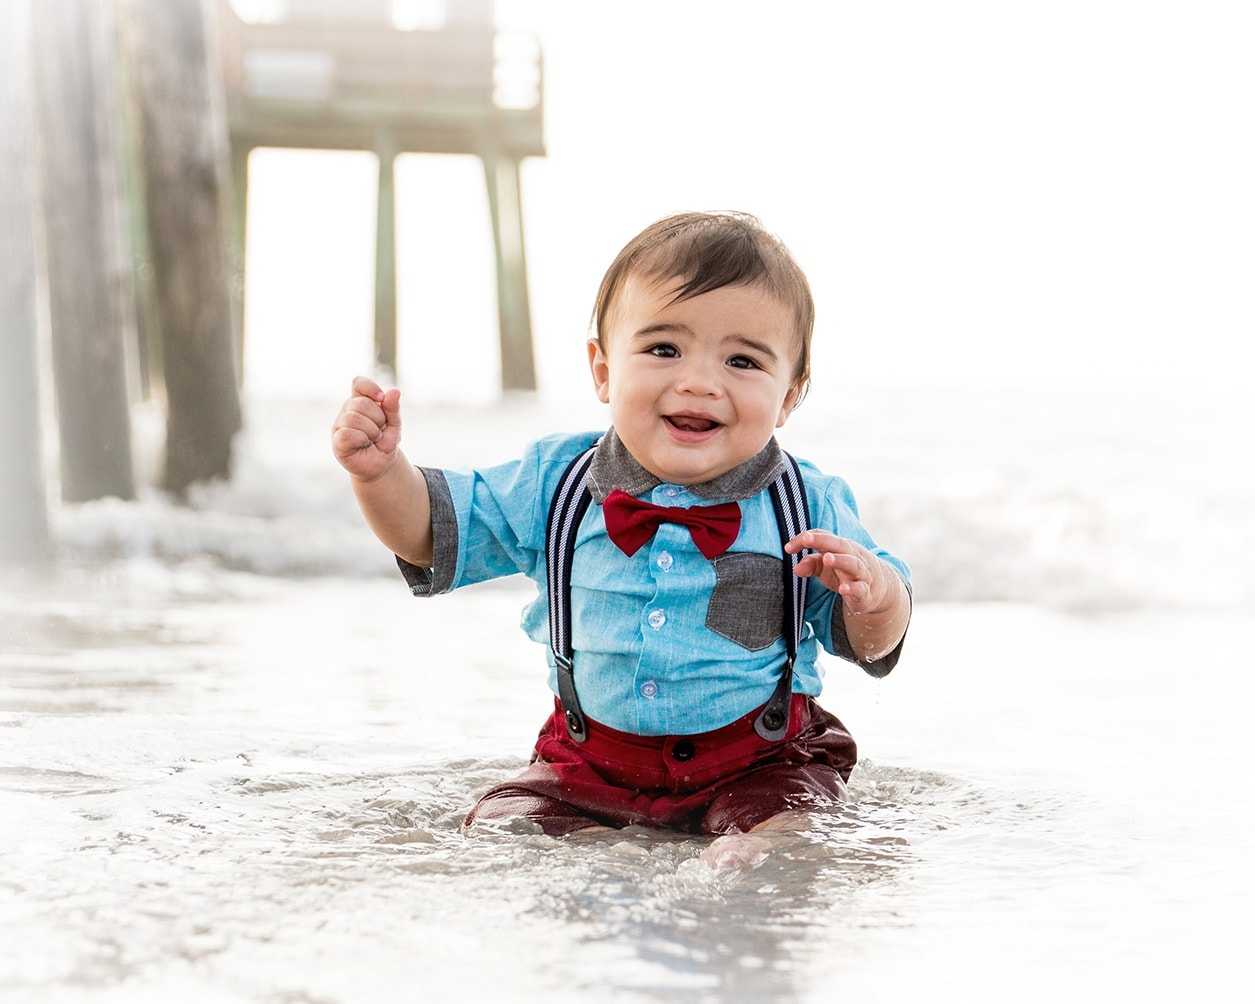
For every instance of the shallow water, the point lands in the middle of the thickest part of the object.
(234, 753)
(205, 801)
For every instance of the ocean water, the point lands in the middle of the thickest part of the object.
(234, 752)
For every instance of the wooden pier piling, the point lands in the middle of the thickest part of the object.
(85, 255)
(23, 506)
(186, 185)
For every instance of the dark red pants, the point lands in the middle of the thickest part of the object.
(724, 781)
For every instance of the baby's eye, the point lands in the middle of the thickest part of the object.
(742, 363)
(663, 351)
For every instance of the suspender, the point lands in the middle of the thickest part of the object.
(565, 512)
(792, 516)
(571, 501)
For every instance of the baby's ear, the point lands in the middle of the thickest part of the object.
(792, 399)
(599, 366)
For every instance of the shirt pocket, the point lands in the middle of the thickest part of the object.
(747, 606)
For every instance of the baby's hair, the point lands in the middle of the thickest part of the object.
(707, 251)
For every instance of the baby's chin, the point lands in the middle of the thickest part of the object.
(680, 473)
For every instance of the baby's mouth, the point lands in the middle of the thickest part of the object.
(691, 423)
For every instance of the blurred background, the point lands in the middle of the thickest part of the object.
(234, 752)
(1032, 194)
(1028, 229)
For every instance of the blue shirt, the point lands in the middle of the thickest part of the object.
(667, 642)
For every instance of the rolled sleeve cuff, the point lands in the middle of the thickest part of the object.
(444, 541)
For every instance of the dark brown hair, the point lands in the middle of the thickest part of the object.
(707, 251)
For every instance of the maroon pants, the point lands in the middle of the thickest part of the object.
(724, 781)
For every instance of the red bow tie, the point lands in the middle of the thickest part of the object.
(631, 522)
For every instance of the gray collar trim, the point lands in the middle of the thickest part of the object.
(614, 467)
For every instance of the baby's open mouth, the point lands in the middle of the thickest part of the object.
(688, 423)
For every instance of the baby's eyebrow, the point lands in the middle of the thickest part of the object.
(662, 328)
(756, 345)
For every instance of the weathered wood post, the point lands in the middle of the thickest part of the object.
(239, 245)
(23, 502)
(386, 254)
(186, 181)
(86, 264)
(505, 204)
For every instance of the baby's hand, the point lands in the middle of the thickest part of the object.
(864, 582)
(367, 432)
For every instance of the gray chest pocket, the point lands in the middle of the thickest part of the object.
(747, 606)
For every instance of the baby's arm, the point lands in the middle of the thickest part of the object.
(391, 493)
(875, 604)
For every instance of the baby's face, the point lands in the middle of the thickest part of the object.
(698, 386)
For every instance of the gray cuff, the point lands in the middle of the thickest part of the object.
(444, 540)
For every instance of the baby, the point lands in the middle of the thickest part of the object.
(688, 569)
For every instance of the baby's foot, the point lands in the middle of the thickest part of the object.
(746, 851)
(739, 851)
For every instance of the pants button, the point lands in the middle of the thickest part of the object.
(683, 751)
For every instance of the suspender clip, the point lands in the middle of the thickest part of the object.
(772, 722)
(572, 713)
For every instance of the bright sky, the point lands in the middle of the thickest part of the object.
(1011, 192)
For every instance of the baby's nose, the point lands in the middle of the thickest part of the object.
(699, 377)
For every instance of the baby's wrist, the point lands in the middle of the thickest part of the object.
(891, 595)
(367, 479)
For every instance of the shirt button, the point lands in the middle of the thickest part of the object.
(665, 561)
(671, 491)
(649, 689)
(656, 619)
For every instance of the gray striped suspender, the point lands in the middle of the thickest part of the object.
(568, 507)
(571, 501)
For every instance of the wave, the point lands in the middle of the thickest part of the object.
(1080, 502)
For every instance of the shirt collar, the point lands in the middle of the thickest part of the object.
(614, 467)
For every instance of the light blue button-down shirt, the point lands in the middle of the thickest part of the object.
(667, 642)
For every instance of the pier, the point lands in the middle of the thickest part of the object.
(127, 128)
